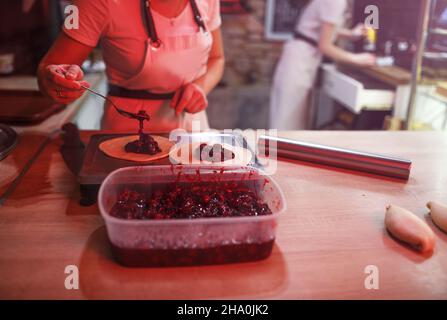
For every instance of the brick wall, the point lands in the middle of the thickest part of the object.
(250, 62)
(250, 57)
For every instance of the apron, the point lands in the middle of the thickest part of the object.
(292, 84)
(177, 61)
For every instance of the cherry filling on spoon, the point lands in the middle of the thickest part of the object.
(146, 144)
(214, 153)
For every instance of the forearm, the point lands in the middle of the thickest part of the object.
(64, 51)
(344, 33)
(213, 75)
(337, 54)
(329, 49)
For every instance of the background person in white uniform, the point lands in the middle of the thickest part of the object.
(318, 27)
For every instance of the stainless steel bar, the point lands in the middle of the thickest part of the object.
(337, 157)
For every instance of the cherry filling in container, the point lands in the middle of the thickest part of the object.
(159, 216)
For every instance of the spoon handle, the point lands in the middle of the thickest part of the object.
(120, 111)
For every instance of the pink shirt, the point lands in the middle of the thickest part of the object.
(118, 25)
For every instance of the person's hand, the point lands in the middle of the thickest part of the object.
(190, 98)
(364, 60)
(62, 82)
(359, 31)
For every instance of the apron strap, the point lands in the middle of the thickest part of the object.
(150, 24)
(197, 16)
(299, 36)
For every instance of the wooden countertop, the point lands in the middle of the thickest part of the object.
(332, 230)
(392, 75)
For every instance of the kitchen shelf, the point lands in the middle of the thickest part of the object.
(439, 31)
(435, 55)
(428, 8)
(433, 95)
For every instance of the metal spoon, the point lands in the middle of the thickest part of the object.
(141, 116)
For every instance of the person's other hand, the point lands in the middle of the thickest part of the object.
(190, 98)
(359, 31)
(364, 60)
(63, 82)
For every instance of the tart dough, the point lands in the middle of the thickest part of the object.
(115, 148)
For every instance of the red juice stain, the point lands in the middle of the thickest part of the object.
(250, 174)
(199, 177)
(177, 178)
(266, 181)
(221, 173)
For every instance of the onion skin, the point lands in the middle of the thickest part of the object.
(409, 228)
(438, 214)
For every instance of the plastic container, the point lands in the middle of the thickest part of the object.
(181, 242)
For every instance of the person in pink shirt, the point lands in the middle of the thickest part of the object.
(163, 56)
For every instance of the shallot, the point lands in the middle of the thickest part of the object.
(438, 214)
(409, 228)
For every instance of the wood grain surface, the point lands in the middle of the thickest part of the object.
(332, 230)
(392, 75)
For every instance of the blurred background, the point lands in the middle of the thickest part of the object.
(410, 94)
